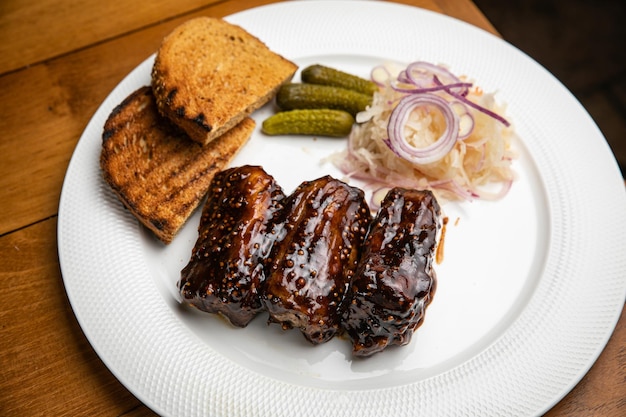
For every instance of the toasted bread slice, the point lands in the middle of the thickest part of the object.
(159, 174)
(209, 74)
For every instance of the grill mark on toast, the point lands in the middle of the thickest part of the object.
(159, 224)
(195, 167)
(200, 121)
(156, 171)
(184, 200)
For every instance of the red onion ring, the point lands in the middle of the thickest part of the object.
(399, 116)
(493, 196)
(454, 187)
(474, 105)
(466, 120)
(418, 90)
(404, 78)
(377, 197)
(377, 80)
(419, 71)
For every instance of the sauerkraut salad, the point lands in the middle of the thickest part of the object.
(430, 129)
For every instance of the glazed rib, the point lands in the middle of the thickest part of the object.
(225, 274)
(321, 229)
(394, 281)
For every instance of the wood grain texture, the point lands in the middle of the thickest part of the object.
(465, 11)
(47, 366)
(63, 60)
(41, 30)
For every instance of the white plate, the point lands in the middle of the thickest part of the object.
(528, 294)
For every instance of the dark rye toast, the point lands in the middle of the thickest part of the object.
(209, 74)
(153, 167)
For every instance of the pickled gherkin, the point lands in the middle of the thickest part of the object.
(320, 74)
(315, 122)
(312, 96)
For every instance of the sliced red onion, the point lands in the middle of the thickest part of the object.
(474, 105)
(454, 187)
(378, 195)
(380, 75)
(433, 152)
(422, 84)
(466, 120)
(419, 72)
(403, 87)
(493, 196)
(404, 78)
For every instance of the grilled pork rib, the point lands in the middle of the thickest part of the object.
(319, 235)
(225, 273)
(394, 281)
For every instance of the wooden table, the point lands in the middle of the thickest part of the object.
(58, 61)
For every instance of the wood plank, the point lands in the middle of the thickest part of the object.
(468, 12)
(46, 356)
(93, 21)
(63, 94)
(140, 411)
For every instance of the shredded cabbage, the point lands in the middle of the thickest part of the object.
(469, 171)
